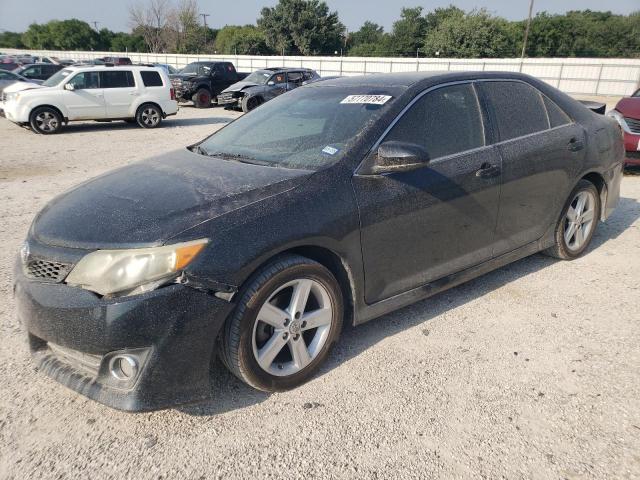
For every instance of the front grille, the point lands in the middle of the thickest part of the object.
(633, 155)
(47, 270)
(3, 97)
(226, 97)
(634, 124)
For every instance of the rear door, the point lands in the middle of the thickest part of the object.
(120, 92)
(541, 149)
(294, 80)
(421, 225)
(86, 101)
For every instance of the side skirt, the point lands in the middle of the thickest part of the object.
(369, 312)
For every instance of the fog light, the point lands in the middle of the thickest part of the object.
(124, 367)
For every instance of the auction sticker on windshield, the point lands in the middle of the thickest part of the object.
(369, 99)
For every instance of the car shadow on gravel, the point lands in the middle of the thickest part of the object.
(229, 393)
(85, 127)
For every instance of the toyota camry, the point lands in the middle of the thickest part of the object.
(336, 203)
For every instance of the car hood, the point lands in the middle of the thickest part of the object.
(629, 107)
(21, 86)
(147, 203)
(239, 86)
(184, 77)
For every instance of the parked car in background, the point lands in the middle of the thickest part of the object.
(627, 114)
(117, 60)
(93, 61)
(38, 71)
(9, 78)
(171, 70)
(136, 94)
(340, 201)
(202, 82)
(263, 85)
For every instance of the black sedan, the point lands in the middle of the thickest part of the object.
(339, 202)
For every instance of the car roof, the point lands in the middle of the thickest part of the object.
(285, 69)
(410, 79)
(109, 68)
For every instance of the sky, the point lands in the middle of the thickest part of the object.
(16, 15)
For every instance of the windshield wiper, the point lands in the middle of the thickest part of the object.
(238, 157)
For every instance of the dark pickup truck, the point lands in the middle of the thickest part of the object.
(201, 82)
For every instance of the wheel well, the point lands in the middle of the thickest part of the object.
(149, 103)
(336, 265)
(64, 119)
(601, 186)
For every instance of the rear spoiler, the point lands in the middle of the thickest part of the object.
(595, 107)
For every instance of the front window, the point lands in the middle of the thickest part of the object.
(56, 78)
(258, 77)
(307, 129)
(190, 69)
(86, 80)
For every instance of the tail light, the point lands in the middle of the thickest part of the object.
(172, 93)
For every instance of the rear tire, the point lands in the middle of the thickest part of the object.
(578, 222)
(287, 319)
(202, 98)
(45, 120)
(149, 116)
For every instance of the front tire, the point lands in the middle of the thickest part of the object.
(577, 223)
(287, 319)
(250, 103)
(45, 120)
(149, 116)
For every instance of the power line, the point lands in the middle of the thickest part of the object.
(204, 21)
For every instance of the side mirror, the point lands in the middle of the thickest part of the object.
(271, 83)
(69, 86)
(393, 156)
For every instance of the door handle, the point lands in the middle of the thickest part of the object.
(575, 145)
(135, 94)
(488, 171)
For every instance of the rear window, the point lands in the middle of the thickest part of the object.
(557, 117)
(151, 78)
(518, 108)
(117, 79)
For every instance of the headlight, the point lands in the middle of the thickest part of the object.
(13, 96)
(128, 272)
(620, 119)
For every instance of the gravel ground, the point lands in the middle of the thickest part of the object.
(532, 371)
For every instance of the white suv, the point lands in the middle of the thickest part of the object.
(135, 94)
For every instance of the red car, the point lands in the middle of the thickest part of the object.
(627, 113)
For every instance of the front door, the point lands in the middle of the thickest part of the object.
(421, 225)
(86, 101)
(541, 151)
(119, 92)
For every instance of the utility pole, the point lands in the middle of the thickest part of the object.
(526, 32)
(204, 20)
(95, 25)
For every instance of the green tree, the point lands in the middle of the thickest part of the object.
(408, 32)
(301, 27)
(247, 40)
(11, 40)
(61, 35)
(476, 34)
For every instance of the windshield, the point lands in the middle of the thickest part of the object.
(308, 128)
(192, 68)
(260, 77)
(56, 78)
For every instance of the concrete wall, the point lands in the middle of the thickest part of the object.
(583, 76)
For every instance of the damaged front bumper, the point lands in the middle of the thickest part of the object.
(137, 353)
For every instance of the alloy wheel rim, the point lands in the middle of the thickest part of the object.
(579, 220)
(46, 121)
(292, 327)
(150, 116)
